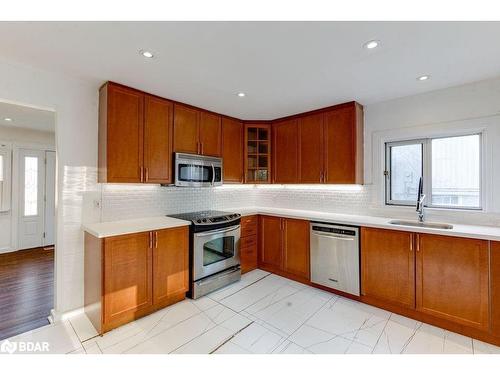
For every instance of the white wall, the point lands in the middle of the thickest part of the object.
(75, 104)
(448, 111)
(15, 138)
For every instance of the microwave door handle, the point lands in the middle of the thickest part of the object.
(213, 175)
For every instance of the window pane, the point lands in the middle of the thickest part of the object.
(406, 170)
(456, 172)
(30, 186)
(1, 168)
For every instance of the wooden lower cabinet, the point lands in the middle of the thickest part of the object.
(388, 266)
(248, 243)
(129, 276)
(284, 247)
(452, 279)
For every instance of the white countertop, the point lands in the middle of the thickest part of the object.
(459, 230)
(116, 228)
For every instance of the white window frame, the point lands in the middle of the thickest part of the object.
(5, 201)
(427, 171)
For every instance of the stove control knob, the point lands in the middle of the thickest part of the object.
(204, 220)
(198, 221)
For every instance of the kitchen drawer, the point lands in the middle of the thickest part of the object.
(248, 257)
(249, 226)
(248, 241)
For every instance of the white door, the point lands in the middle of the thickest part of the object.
(50, 197)
(31, 194)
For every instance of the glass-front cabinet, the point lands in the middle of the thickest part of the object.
(258, 153)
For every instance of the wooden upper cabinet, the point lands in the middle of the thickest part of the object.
(452, 279)
(343, 145)
(296, 254)
(388, 266)
(121, 126)
(186, 129)
(127, 277)
(270, 243)
(495, 287)
(311, 149)
(170, 264)
(158, 124)
(257, 153)
(210, 134)
(285, 149)
(232, 150)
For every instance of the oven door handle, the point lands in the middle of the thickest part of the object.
(217, 231)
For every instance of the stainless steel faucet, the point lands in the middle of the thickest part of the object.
(420, 208)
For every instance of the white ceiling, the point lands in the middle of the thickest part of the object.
(26, 117)
(283, 67)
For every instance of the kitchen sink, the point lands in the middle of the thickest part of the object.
(410, 223)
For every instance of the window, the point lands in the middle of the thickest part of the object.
(450, 167)
(5, 155)
(30, 186)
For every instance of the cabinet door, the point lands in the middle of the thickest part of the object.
(270, 241)
(311, 149)
(285, 149)
(495, 288)
(248, 253)
(388, 266)
(343, 145)
(170, 265)
(121, 133)
(232, 150)
(210, 134)
(452, 279)
(296, 248)
(186, 134)
(158, 140)
(127, 277)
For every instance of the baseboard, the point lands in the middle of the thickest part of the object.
(56, 316)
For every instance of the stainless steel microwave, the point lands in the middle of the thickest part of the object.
(198, 171)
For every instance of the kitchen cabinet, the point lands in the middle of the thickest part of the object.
(170, 265)
(284, 247)
(232, 150)
(286, 151)
(248, 243)
(196, 131)
(132, 275)
(257, 153)
(495, 287)
(343, 145)
(452, 279)
(388, 266)
(135, 136)
(311, 149)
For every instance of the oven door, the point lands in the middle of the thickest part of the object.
(215, 251)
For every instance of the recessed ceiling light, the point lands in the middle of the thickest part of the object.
(241, 94)
(372, 44)
(423, 78)
(147, 54)
(7, 119)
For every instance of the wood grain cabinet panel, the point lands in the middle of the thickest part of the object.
(495, 287)
(232, 150)
(158, 123)
(127, 277)
(452, 279)
(270, 243)
(311, 149)
(121, 121)
(285, 148)
(170, 265)
(210, 134)
(186, 129)
(343, 147)
(296, 254)
(388, 266)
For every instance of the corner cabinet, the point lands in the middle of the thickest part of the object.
(129, 276)
(257, 163)
(135, 136)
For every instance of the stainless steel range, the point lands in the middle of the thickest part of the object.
(214, 250)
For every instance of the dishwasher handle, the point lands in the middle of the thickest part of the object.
(335, 236)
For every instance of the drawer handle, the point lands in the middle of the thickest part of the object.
(335, 281)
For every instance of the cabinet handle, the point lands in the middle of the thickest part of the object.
(411, 242)
(418, 242)
(150, 240)
(142, 173)
(147, 174)
(156, 240)
(321, 176)
(201, 147)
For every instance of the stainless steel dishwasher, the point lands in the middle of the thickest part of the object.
(335, 257)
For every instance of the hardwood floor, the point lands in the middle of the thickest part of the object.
(26, 290)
